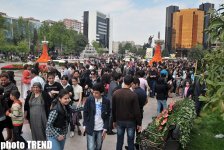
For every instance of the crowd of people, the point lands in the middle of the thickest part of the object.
(112, 95)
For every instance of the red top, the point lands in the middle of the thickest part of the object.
(26, 77)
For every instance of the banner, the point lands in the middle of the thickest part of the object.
(149, 53)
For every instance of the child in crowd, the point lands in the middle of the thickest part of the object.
(16, 113)
(67, 86)
(52, 87)
(188, 90)
(78, 91)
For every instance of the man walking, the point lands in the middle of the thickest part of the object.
(126, 113)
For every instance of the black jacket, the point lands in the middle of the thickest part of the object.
(47, 104)
(63, 116)
(90, 111)
(162, 91)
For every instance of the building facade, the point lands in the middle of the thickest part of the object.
(12, 21)
(206, 7)
(73, 24)
(185, 28)
(96, 27)
(168, 30)
(188, 27)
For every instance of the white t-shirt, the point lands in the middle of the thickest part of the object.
(77, 90)
(143, 83)
(37, 79)
(98, 123)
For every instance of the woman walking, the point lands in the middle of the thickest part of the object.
(37, 107)
(57, 124)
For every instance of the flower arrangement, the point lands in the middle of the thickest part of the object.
(13, 67)
(180, 114)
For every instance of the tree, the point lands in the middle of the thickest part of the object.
(165, 53)
(215, 30)
(81, 42)
(2, 35)
(197, 53)
(98, 47)
(213, 63)
(23, 47)
(121, 50)
(141, 52)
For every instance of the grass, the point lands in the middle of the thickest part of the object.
(204, 130)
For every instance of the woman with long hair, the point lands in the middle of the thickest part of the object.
(58, 121)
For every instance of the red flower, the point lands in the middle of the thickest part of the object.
(171, 106)
(165, 115)
(164, 121)
(160, 127)
(165, 111)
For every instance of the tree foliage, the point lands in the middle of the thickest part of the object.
(98, 47)
(215, 30)
(214, 66)
(66, 39)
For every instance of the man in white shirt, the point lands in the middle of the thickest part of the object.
(96, 118)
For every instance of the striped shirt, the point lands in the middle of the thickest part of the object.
(16, 113)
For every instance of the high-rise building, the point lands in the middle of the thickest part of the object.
(9, 21)
(188, 26)
(96, 27)
(185, 27)
(73, 24)
(206, 7)
(35, 22)
(169, 22)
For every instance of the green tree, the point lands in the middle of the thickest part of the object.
(23, 47)
(165, 53)
(196, 53)
(121, 50)
(141, 52)
(98, 47)
(215, 30)
(80, 43)
(2, 35)
(213, 63)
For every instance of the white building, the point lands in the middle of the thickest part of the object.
(97, 27)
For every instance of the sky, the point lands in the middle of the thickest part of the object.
(132, 20)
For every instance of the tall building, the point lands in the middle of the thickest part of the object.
(10, 21)
(187, 32)
(206, 7)
(49, 22)
(73, 24)
(169, 22)
(96, 27)
(35, 22)
(185, 28)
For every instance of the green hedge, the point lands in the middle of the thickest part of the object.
(181, 115)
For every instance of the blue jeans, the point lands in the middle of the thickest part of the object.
(129, 126)
(95, 141)
(152, 87)
(159, 104)
(56, 145)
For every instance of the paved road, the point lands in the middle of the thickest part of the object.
(79, 142)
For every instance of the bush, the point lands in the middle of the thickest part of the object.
(179, 116)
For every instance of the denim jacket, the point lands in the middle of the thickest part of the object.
(90, 111)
